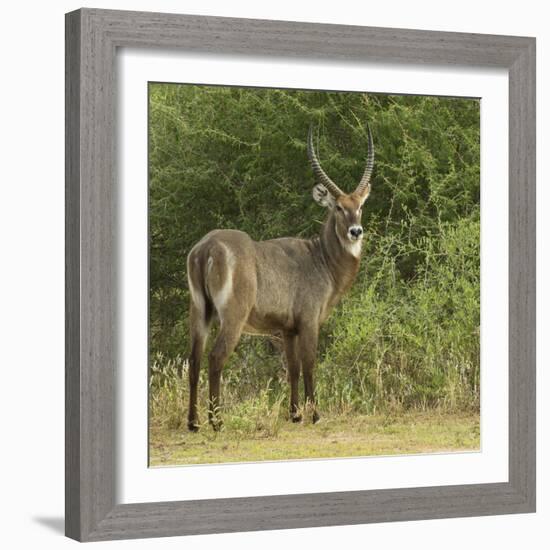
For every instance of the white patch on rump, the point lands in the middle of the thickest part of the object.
(221, 296)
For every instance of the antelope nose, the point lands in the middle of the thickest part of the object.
(356, 231)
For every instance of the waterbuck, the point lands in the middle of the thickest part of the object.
(285, 286)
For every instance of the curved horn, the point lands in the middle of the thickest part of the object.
(320, 176)
(363, 189)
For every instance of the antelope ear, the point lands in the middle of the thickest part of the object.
(322, 196)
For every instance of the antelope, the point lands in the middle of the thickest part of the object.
(285, 286)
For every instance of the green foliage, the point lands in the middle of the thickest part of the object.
(407, 335)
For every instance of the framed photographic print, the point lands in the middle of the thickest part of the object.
(300, 275)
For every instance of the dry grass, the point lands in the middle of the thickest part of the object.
(334, 436)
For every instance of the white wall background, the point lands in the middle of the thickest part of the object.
(32, 268)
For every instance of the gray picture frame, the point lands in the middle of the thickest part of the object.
(92, 39)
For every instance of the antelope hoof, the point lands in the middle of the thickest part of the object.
(193, 426)
(216, 424)
(316, 417)
(296, 417)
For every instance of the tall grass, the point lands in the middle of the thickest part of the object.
(258, 414)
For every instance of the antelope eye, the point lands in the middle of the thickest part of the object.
(339, 208)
